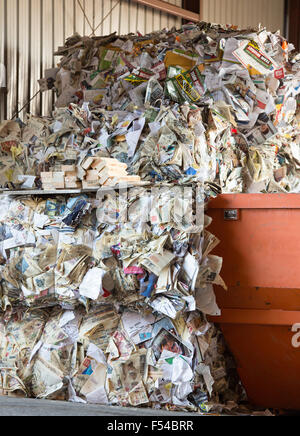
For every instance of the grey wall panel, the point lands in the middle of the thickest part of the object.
(31, 30)
(244, 13)
(35, 54)
(2, 58)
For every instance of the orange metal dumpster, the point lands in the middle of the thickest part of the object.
(260, 244)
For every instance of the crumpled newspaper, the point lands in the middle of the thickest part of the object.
(125, 280)
(202, 103)
(111, 307)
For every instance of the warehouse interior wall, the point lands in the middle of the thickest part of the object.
(293, 22)
(31, 30)
(244, 13)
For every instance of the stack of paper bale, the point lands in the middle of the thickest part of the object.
(127, 298)
(105, 314)
(201, 103)
(207, 102)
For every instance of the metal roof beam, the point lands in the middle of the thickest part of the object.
(170, 9)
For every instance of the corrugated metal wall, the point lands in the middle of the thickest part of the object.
(244, 13)
(31, 30)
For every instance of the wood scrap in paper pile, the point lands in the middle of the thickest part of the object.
(106, 172)
(67, 178)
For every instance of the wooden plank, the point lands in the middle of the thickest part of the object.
(169, 8)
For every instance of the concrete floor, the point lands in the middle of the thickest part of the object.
(28, 407)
